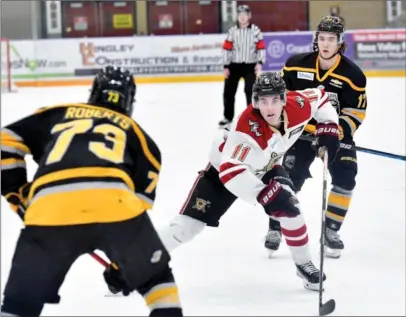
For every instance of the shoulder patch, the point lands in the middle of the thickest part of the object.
(251, 123)
(298, 109)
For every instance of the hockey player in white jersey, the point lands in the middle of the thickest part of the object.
(245, 164)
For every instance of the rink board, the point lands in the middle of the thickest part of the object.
(185, 58)
(171, 79)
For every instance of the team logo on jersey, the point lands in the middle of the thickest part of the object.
(201, 204)
(336, 83)
(254, 127)
(275, 157)
(300, 101)
(296, 131)
(305, 75)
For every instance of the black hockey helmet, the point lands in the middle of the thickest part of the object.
(332, 24)
(113, 88)
(243, 8)
(268, 84)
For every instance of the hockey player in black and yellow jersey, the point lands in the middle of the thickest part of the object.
(327, 68)
(97, 175)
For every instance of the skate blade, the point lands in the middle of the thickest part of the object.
(310, 286)
(270, 253)
(109, 294)
(271, 248)
(332, 253)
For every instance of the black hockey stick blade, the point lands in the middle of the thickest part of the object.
(327, 308)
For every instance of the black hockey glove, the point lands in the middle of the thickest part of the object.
(327, 136)
(277, 201)
(115, 280)
(279, 174)
(18, 200)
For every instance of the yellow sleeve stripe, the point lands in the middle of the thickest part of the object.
(350, 122)
(358, 115)
(310, 128)
(12, 163)
(11, 134)
(145, 148)
(10, 140)
(17, 145)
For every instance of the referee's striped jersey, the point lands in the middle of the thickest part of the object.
(244, 45)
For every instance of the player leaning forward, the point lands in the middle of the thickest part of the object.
(245, 165)
(345, 83)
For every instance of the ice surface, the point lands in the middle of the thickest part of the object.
(225, 271)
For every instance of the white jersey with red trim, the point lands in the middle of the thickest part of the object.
(252, 147)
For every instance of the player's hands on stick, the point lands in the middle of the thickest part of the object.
(278, 201)
(327, 139)
(115, 280)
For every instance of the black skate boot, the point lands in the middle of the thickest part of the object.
(273, 238)
(310, 275)
(224, 124)
(333, 243)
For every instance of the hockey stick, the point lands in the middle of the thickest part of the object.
(21, 213)
(361, 149)
(99, 259)
(329, 306)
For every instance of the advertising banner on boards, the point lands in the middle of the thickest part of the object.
(380, 49)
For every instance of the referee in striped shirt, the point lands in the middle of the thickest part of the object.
(243, 57)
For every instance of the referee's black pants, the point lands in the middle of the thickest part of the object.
(237, 71)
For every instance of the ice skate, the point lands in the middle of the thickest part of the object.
(310, 275)
(333, 244)
(272, 241)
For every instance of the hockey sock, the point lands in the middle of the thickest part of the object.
(295, 232)
(180, 230)
(163, 296)
(338, 203)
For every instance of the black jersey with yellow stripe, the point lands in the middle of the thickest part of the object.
(345, 83)
(94, 165)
